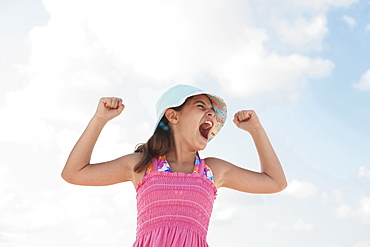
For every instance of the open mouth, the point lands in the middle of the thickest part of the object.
(205, 128)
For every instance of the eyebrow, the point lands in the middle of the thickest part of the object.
(202, 102)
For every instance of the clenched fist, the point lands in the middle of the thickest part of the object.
(109, 108)
(246, 120)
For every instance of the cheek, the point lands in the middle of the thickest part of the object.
(190, 125)
(190, 119)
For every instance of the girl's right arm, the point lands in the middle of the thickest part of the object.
(78, 169)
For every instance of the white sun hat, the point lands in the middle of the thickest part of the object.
(177, 95)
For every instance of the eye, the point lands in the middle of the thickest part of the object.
(201, 106)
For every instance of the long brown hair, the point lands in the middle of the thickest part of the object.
(158, 144)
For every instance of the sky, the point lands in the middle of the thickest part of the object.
(303, 66)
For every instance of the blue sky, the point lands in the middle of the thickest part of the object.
(303, 66)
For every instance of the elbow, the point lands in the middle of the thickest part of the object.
(68, 177)
(71, 180)
(283, 186)
(276, 186)
(65, 177)
(280, 186)
(71, 175)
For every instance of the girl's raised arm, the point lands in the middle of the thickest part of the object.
(271, 179)
(78, 169)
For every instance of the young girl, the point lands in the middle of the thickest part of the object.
(175, 188)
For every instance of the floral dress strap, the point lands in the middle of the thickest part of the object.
(161, 164)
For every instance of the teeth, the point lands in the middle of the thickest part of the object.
(209, 124)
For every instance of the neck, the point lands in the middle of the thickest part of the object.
(181, 155)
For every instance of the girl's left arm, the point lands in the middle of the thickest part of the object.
(271, 179)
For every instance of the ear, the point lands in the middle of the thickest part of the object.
(172, 116)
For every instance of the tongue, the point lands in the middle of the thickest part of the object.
(203, 128)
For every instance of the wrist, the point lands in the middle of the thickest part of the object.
(99, 120)
(256, 130)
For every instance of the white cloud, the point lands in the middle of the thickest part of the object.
(36, 214)
(23, 125)
(360, 211)
(112, 143)
(351, 22)
(160, 42)
(255, 70)
(344, 211)
(65, 140)
(363, 172)
(4, 172)
(224, 214)
(298, 226)
(364, 83)
(79, 211)
(232, 205)
(226, 209)
(364, 208)
(317, 6)
(362, 244)
(301, 189)
(338, 195)
(302, 33)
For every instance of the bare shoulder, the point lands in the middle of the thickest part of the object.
(216, 163)
(128, 163)
(219, 168)
(130, 160)
(125, 163)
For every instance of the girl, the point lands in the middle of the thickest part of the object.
(175, 188)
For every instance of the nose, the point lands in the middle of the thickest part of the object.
(211, 113)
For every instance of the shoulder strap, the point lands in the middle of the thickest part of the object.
(154, 164)
(201, 166)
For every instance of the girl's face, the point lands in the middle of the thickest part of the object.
(195, 122)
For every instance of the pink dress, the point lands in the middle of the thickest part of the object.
(174, 209)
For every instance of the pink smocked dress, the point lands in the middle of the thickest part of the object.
(174, 209)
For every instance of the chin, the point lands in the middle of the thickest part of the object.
(201, 147)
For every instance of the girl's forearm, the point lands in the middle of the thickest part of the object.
(270, 164)
(81, 153)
